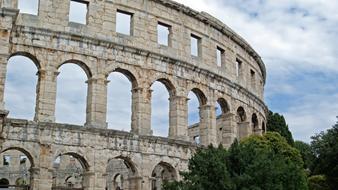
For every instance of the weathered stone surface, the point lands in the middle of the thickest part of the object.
(50, 40)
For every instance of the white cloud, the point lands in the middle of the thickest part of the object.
(297, 40)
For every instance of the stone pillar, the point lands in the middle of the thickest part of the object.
(208, 125)
(178, 118)
(46, 96)
(244, 129)
(227, 122)
(141, 111)
(7, 19)
(97, 103)
(3, 70)
(3, 115)
(89, 181)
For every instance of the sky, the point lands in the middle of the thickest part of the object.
(297, 40)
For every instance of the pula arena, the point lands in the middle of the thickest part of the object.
(44, 155)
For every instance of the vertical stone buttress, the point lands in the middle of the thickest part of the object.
(46, 96)
(41, 176)
(141, 111)
(7, 20)
(97, 102)
(178, 118)
(208, 125)
(229, 129)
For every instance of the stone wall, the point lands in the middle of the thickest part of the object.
(50, 41)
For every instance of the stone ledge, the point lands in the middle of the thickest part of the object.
(101, 132)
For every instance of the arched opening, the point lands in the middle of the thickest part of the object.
(21, 84)
(163, 172)
(162, 90)
(71, 96)
(4, 183)
(263, 127)
(119, 100)
(69, 171)
(243, 126)
(241, 115)
(121, 174)
(223, 121)
(254, 122)
(16, 165)
(196, 100)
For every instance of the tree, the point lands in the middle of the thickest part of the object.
(207, 170)
(318, 182)
(325, 147)
(306, 152)
(266, 163)
(257, 163)
(276, 123)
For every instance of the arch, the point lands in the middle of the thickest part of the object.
(224, 105)
(123, 169)
(81, 64)
(241, 115)
(162, 172)
(72, 98)
(263, 127)
(29, 56)
(21, 85)
(80, 158)
(254, 122)
(120, 92)
(168, 84)
(22, 150)
(200, 96)
(4, 183)
(131, 77)
(161, 92)
(20, 181)
(128, 162)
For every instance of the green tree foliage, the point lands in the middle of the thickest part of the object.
(266, 163)
(306, 152)
(276, 123)
(325, 147)
(318, 182)
(207, 170)
(257, 163)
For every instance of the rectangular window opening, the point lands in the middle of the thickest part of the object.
(163, 34)
(253, 78)
(124, 22)
(29, 6)
(238, 67)
(195, 45)
(197, 139)
(78, 11)
(23, 159)
(220, 56)
(6, 160)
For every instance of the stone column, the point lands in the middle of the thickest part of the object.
(3, 115)
(229, 129)
(141, 111)
(97, 102)
(208, 125)
(3, 70)
(7, 19)
(46, 96)
(178, 118)
(243, 129)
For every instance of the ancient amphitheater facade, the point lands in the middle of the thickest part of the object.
(100, 158)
